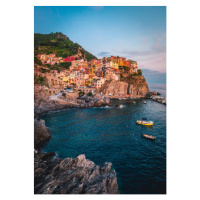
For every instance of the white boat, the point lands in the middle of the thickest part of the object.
(144, 102)
(120, 99)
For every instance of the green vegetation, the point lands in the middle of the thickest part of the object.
(125, 68)
(45, 70)
(65, 64)
(37, 61)
(54, 67)
(59, 44)
(40, 80)
(139, 72)
(89, 94)
(81, 93)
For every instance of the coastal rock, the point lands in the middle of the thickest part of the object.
(44, 104)
(154, 93)
(97, 100)
(72, 176)
(41, 134)
(135, 87)
(114, 88)
(159, 99)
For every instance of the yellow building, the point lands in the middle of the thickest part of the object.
(65, 79)
(120, 63)
(115, 65)
(91, 70)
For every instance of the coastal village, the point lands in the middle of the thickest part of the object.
(78, 73)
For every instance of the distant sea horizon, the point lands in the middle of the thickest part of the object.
(161, 88)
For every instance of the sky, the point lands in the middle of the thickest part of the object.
(135, 32)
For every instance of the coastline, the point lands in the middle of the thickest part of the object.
(50, 159)
(53, 175)
(84, 137)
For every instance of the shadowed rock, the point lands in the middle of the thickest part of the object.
(41, 133)
(73, 176)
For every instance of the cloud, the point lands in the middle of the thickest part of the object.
(104, 54)
(150, 54)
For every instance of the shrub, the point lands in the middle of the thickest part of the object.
(37, 61)
(65, 64)
(40, 80)
(89, 94)
(139, 72)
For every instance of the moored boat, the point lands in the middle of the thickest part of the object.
(144, 102)
(134, 102)
(148, 136)
(144, 122)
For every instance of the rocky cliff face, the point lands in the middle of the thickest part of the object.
(41, 133)
(72, 176)
(135, 87)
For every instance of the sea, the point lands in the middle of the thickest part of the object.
(111, 134)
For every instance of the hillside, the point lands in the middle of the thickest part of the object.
(58, 44)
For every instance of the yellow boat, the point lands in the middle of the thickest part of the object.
(145, 123)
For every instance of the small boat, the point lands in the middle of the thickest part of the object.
(148, 136)
(120, 99)
(124, 98)
(118, 106)
(144, 102)
(144, 122)
(134, 102)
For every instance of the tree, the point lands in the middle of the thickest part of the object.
(139, 72)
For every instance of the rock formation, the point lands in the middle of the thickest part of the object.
(41, 134)
(72, 176)
(43, 103)
(133, 87)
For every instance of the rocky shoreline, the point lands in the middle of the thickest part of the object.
(72, 176)
(53, 175)
(159, 99)
(43, 103)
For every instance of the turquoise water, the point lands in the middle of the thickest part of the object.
(111, 134)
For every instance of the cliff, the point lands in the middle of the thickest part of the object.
(135, 86)
(72, 176)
